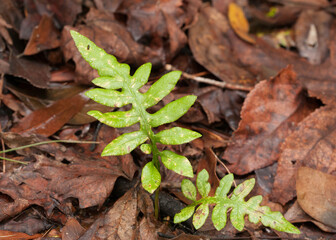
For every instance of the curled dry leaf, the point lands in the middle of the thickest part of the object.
(270, 112)
(316, 194)
(311, 145)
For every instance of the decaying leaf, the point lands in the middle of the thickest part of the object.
(239, 23)
(212, 48)
(270, 112)
(311, 145)
(45, 36)
(46, 121)
(317, 194)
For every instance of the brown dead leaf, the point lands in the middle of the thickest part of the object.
(295, 214)
(123, 221)
(45, 36)
(270, 112)
(51, 183)
(46, 121)
(8, 235)
(239, 23)
(310, 145)
(72, 229)
(316, 194)
(266, 61)
(37, 73)
(210, 46)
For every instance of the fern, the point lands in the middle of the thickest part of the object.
(118, 88)
(239, 208)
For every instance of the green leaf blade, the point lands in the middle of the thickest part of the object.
(219, 216)
(176, 163)
(106, 64)
(243, 189)
(201, 214)
(176, 136)
(188, 189)
(109, 82)
(161, 88)
(124, 144)
(224, 186)
(150, 177)
(237, 217)
(276, 221)
(107, 97)
(141, 75)
(202, 183)
(116, 119)
(185, 214)
(172, 111)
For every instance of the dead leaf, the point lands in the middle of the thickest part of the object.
(50, 183)
(239, 23)
(270, 112)
(45, 36)
(210, 46)
(37, 73)
(63, 12)
(72, 229)
(8, 235)
(310, 145)
(295, 214)
(316, 194)
(46, 121)
(122, 221)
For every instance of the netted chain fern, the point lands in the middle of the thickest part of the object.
(117, 89)
(236, 203)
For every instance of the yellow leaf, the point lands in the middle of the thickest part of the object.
(239, 23)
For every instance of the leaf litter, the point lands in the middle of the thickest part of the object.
(281, 131)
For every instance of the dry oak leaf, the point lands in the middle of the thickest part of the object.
(270, 112)
(312, 145)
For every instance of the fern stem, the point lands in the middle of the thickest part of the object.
(156, 163)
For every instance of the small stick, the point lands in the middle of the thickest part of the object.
(211, 81)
